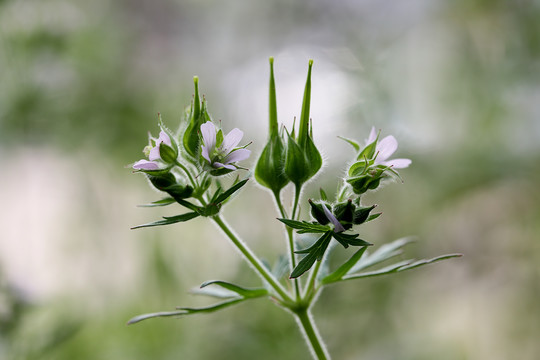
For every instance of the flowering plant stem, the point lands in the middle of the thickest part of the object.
(290, 236)
(253, 260)
(299, 306)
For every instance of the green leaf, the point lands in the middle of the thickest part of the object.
(162, 202)
(350, 239)
(221, 198)
(400, 266)
(243, 292)
(324, 197)
(385, 252)
(305, 227)
(139, 318)
(170, 220)
(186, 311)
(343, 269)
(316, 252)
(386, 270)
(423, 262)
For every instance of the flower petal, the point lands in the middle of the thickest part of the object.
(154, 152)
(372, 136)
(386, 147)
(337, 225)
(146, 165)
(398, 163)
(231, 140)
(237, 155)
(219, 165)
(208, 131)
(163, 137)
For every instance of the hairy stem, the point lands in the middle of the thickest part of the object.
(314, 340)
(250, 257)
(290, 236)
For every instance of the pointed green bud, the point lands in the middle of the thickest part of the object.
(362, 214)
(344, 212)
(318, 213)
(198, 116)
(168, 183)
(269, 171)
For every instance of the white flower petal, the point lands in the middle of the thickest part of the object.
(219, 165)
(163, 137)
(208, 131)
(154, 152)
(237, 155)
(372, 136)
(146, 165)
(231, 140)
(204, 153)
(386, 147)
(398, 163)
(337, 225)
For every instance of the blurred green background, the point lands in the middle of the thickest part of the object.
(81, 82)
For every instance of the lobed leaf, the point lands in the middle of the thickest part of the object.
(343, 269)
(315, 252)
(162, 202)
(243, 292)
(167, 220)
(304, 227)
(385, 252)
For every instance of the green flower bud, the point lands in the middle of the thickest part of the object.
(318, 213)
(362, 214)
(269, 171)
(198, 115)
(167, 182)
(344, 212)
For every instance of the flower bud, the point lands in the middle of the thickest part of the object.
(344, 212)
(167, 182)
(318, 213)
(361, 214)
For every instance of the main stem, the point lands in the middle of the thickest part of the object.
(253, 260)
(312, 335)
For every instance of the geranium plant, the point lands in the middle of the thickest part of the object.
(190, 165)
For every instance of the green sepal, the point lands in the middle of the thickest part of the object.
(316, 253)
(167, 153)
(324, 197)
(240, 291)
(343, 269)
(318, 213)
(305, 227)
(163, 202)
(353, 143)
(361, 215)
(167, 182)
(369, 151)
(344, 211)
(358, 168)
(167, 220)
